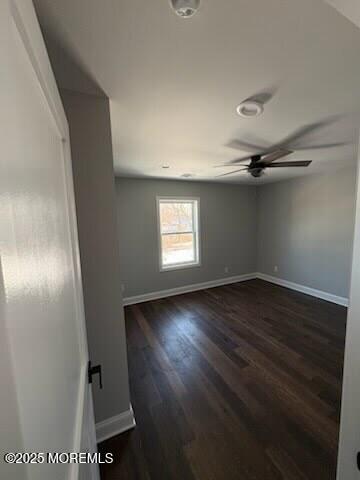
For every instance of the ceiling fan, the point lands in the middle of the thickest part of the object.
(264, 156)
(261, 161)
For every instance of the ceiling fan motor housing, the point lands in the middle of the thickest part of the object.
(258, 172)
(255, 169)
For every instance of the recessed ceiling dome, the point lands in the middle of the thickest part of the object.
(250, 109)
(185, 8)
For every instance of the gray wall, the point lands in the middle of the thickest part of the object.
(89, 122)
(228, 233)
(305, 227)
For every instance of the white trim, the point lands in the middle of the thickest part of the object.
(195, 201)
(146, 297)
(115, 425)
(26, 23)
(180, 266)
(187, 288)
(79, 420)
(307, 290)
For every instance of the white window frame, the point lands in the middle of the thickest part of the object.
(196, 232)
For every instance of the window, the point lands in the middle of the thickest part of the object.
(178, 232)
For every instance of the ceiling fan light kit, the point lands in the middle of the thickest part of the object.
(185, 8)
(250, 109)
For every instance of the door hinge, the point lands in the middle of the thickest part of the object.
(95, 370)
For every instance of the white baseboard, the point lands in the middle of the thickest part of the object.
(302, 288)
(115, 425)
(187, 288)
(239, 278)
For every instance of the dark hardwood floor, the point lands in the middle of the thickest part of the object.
(236, 382)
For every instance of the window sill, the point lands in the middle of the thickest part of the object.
(179, 267)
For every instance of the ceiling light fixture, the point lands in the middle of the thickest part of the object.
(249, 109)
(185, 8)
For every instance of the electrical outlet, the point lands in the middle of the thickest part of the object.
(226, 269)
(276, 269)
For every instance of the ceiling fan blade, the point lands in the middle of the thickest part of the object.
(300, 163)
(305, 130)
(233, 164)
(271, 157)
(238, 160)
(325, 145)
(230, 173)
(246, 146)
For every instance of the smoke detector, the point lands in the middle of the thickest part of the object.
(185, 8)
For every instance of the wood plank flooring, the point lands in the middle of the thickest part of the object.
(236, 382)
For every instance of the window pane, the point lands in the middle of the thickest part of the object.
(178, 249)
(176, 217)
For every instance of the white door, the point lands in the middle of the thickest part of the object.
(42, 305)
(349, 440)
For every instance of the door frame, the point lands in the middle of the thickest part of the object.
(349, 434)
(25, 19)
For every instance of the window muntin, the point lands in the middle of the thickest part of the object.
(178, 232)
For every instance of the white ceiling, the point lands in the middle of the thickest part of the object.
(174, 84)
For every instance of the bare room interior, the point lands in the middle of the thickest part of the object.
(182, 229)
